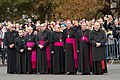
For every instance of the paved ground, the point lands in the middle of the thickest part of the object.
(114, 74)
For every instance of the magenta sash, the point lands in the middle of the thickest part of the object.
(91, 55)
(47, 51)
(58, 44)
(33, 56)
(72, 41)
(84, 38)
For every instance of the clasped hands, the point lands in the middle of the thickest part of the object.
(98, 44)
(40, 46)
(11, 46)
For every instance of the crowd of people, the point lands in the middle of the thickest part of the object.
(58, 47)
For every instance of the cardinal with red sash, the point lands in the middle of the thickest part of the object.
(57, 51)
(31, 58)
(71, 60)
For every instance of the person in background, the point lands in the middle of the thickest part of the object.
(116, 29)
(76, 25)
(3, 47)
(38, 27)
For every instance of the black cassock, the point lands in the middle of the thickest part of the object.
(70, 64)
(43, 62)
(11, 52)
(83, 47)
(30, 39)
(98, 53)
(56, 45)
(21, 56)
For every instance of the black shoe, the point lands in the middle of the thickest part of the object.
(99, 73)
(85, 74)
(3, 62)
(12, 72)
(72, 73)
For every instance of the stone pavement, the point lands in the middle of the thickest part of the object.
(114, 74)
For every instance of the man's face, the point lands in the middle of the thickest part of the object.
(57, 29)
(29, 20)
(69, 25)
(43, 27)
(21, 33)
(30, 31)
(101, 21)
(84, 26)
(116, 22)
(96, 26)
(11, 28)
(38, 28)
(76, 23)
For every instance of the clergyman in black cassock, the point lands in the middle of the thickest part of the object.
(21, 56)
(71, 62)
(11, 51)
(31, 59)
(43, 52)
(97, 38)
(57, 51)
(83, 49)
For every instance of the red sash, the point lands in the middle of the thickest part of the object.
(91, 55)
(58, 44)
(33, 56)
(48, 53)
(72, 41)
